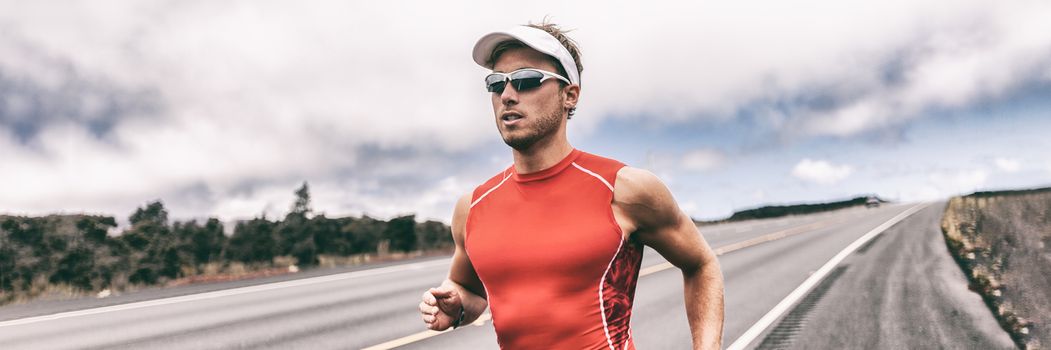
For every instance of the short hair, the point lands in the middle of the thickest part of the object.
(556, 32)
(566, 42)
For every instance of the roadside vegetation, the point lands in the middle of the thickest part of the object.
(1002, 241)
(774, 211)
(79, 254)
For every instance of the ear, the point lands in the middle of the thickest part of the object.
(572, 95)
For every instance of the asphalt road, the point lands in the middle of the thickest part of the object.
(901, 292)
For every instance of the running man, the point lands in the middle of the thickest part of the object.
(553, 244)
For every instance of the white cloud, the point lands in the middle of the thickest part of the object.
(959, 181)
(758, 195)
(821, 172)
(1008, 165)
(925, 193)
(703, 159)
(282, 91)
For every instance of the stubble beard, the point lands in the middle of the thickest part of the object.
(545, 126)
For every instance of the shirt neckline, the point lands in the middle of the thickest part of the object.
(550, 171)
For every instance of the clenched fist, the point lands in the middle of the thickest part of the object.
(441, 307)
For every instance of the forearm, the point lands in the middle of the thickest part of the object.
(704, 304)
(473, 304)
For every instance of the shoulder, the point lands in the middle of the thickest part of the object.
(638, 186)
(462, 207)
(606, 168)
(644, 198)
(463, 204)
(489, 184)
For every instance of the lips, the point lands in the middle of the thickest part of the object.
(510, 118)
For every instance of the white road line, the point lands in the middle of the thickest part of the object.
(753, 332)
(226, 292)
(412, 338)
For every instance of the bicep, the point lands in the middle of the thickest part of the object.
(680, 243)
(462, 271)
(659, 221)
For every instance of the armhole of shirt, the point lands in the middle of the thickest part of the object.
(612, 168)
(466, 223)
(477, 198)
(612, 197)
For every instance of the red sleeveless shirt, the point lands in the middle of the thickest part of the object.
(555, 266)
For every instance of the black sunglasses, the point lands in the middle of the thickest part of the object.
(522, 79)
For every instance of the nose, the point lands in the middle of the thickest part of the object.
(510, 96)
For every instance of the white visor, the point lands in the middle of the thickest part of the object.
(537, 39)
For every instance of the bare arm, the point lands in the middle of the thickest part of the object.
(651, 214)
(441, 305)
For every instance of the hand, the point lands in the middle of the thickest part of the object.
(441, 307)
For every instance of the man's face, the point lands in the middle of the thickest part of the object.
(525, 117)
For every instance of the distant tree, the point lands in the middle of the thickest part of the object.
(171, 262)
(152, 241)
(296, 237)
(145, 273)
(149, 228)
(329, 237)
(31, 246)
(207, 242)
(95, 228)
(252, 241)
(305, 252)
(7, 264)
(401, 232)
(302, 204)
(134, 239)
(198, 244)
(24, 231)
(77, 250)
(154, 212)
(433, 234)
(75, 268)
(295, 228)
(21, 276)
(55, 243)
(364, 234)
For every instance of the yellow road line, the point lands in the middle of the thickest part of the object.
(424, 335)
(748, 243)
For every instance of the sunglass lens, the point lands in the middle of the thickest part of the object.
(495, 83)
(523, 84)
(497, 87)
(521, 80)
(526, 79)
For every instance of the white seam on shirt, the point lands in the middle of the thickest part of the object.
(491, 189)
(601, 302)
(589, 172)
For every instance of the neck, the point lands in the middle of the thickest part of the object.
(542, 155)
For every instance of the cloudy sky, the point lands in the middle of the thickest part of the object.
(222, 108)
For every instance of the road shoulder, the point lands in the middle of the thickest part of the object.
(903, 291)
